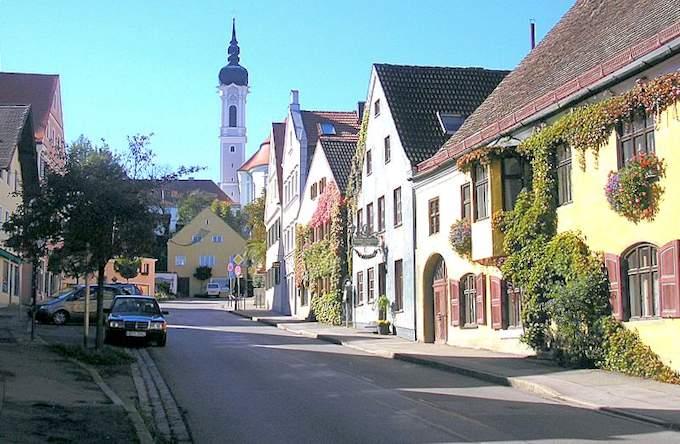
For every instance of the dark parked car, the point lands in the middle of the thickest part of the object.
(136, 317)
(70, 303)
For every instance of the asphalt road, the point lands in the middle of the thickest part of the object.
(240, 381)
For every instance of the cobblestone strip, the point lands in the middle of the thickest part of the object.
(159, 417)
(174, 416)
(142, 392)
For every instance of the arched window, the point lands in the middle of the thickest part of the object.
(641, 274)
(232, 116)
(469, 300)
(440, 270)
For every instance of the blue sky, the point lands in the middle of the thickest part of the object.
(134, 66)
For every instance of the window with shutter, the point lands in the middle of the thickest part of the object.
(496, 288)
(669, 279)
(480, 284)
(612, 263)
(454, 295)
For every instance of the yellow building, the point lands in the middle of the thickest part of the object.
(206, 241)
(465, 301)
(145, 279)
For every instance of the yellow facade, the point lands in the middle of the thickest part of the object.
(185, 250)
(10, 181)
(145, 280)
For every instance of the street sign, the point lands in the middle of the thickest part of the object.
(238, 259)
(237, 270)
(230, 267)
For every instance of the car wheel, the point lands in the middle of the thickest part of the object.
(60, 317)
(161, 342)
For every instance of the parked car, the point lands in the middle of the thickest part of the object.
(129, 288)
(213, 289)
(136, 317)
(69, 304)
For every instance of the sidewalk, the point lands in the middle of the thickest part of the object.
(601, 390)
(46, 398)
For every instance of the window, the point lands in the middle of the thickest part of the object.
(376, 108)
(450, 123)
(322, 185)
(636, 137)
(217, 239)
(369, 218)
(232, 116)
(371, 285)
(180, 261)
(433, 215)
(481, 179)
(206, 261)
(642, 273)
(327, 129)
(563, 175)
(232, 149)
(396, 195)
(398, 285)
(369, 163)
(360, 288)
(145, 269)
(465, 202)
(312, 191)
(360, 220)
(513, 180)
(514, 305)
(388, 150)
(196, 238)
(469, 309)
(381, 213)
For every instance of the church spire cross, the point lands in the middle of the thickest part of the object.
(233, 50)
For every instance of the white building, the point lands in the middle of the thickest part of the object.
(272, 218)
(302, 130)
(412, 110)
(233, 91)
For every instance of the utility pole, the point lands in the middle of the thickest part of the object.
(34, 295)
(86, 323)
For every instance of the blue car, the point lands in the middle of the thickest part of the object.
(136, 318)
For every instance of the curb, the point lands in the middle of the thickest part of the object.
(508, 381)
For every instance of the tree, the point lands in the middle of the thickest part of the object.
(192, 204)
(234, 218)
(256, 247)
(203, 273)
(127, 267)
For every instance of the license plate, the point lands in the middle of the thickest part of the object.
(136, 334)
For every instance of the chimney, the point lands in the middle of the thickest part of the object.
(532, 30)
(294, 97)
(360, 109)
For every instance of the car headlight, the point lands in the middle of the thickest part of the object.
(157, 326)
(116, 324)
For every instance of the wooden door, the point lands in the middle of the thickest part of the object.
(440, 317)
(183, 287)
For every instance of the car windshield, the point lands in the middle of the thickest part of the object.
(63, 293)
(136, 306)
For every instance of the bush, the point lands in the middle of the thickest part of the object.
(624, 352)
(328, 308)
(634, 190)
(460, 238)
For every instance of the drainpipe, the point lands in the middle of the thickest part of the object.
(415, 285)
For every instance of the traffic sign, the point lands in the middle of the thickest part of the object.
(230, 267)
(238, 259)
(237, 270)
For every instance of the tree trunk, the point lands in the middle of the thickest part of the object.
(100, 307)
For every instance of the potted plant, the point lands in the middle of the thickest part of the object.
(383, 323)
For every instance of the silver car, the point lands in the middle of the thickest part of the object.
(69, 304)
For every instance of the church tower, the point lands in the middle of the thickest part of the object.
(233, 91)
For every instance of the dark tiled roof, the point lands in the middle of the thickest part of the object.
(186, 186)
(36, 90)
(415, 94)
(13, 119)
(593, 39)
(346, 123)
(279, 133)
(339, 153)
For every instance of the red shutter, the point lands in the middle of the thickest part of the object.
(613, 264)
(454, 294)
(669, 279)
(480, 289)
(496, 287)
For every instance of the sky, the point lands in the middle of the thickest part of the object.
(150, 66)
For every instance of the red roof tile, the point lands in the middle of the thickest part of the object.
(260, 158)
(36, 90)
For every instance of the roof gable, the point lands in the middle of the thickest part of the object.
(37, 90)
(197, 225)
(181, 187)
(592, 40)
(13, 122)
(339, 152)
(416, 94)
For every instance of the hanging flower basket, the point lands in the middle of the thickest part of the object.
(634, 191)
(460, 238)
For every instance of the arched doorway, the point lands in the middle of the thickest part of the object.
(435, 317)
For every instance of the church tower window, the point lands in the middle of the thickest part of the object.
(232, 116)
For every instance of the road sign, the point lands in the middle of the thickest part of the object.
(237, 270)
(230, 267)
(238, 259)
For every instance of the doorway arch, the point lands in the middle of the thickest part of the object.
(435, 318)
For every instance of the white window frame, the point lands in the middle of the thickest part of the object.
(180, 261)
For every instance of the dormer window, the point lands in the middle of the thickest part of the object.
(450, 122)
(327, 129)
